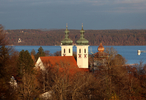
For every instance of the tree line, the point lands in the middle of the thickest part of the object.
(95, 37)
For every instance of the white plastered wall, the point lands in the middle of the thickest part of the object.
(66, 47)
(39, 64)
(82, 57)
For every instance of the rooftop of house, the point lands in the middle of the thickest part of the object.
(59, 61)
(63, 63)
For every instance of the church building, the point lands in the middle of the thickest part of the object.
(67, 54)
(82, 48)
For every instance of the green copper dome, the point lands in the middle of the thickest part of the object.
(82, 40)
(66, 40)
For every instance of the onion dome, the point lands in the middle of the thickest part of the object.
(66, 40)
(82, 40)
(100, 48)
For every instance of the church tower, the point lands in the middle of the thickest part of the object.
(82, 50)
(66, 44)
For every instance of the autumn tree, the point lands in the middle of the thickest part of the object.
(6, 67)
(29, 88)
(112, 76)
(57, 53)
(68, 84)
(47, 53)
(33, 55)
(3, 40)
(120, 81)
(4, 55)
(4, 71)
(118, 60)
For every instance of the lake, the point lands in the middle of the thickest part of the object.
(129, 52)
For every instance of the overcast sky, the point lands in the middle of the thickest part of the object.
(54, 14)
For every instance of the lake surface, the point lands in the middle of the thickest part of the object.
(129, 52)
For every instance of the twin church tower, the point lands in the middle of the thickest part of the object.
(82, 48)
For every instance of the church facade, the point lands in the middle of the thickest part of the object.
(82, 48)
(66, 57)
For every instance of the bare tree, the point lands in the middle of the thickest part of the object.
(28, 89)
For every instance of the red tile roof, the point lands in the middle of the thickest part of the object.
(64, 63)
(59, 61)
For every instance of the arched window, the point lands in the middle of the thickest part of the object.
(64, 50)
(84, 50)
(79, 50)
(69, 50)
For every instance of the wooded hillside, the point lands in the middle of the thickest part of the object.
(54, 37)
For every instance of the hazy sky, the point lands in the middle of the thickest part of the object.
(54, 14)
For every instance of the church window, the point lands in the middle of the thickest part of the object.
(85, 56)
(79, 50)
(64, 50)
(84, 50)
(69, 50)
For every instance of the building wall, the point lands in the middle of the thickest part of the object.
(39, 64)
(66, 50)
(82, 56)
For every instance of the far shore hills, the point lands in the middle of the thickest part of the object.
(37, 37)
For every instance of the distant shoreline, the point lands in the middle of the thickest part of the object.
(95, 37)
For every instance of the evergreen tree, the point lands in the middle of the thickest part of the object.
(33, 52)
(25, 63)
(40, 53)
(4, 57)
